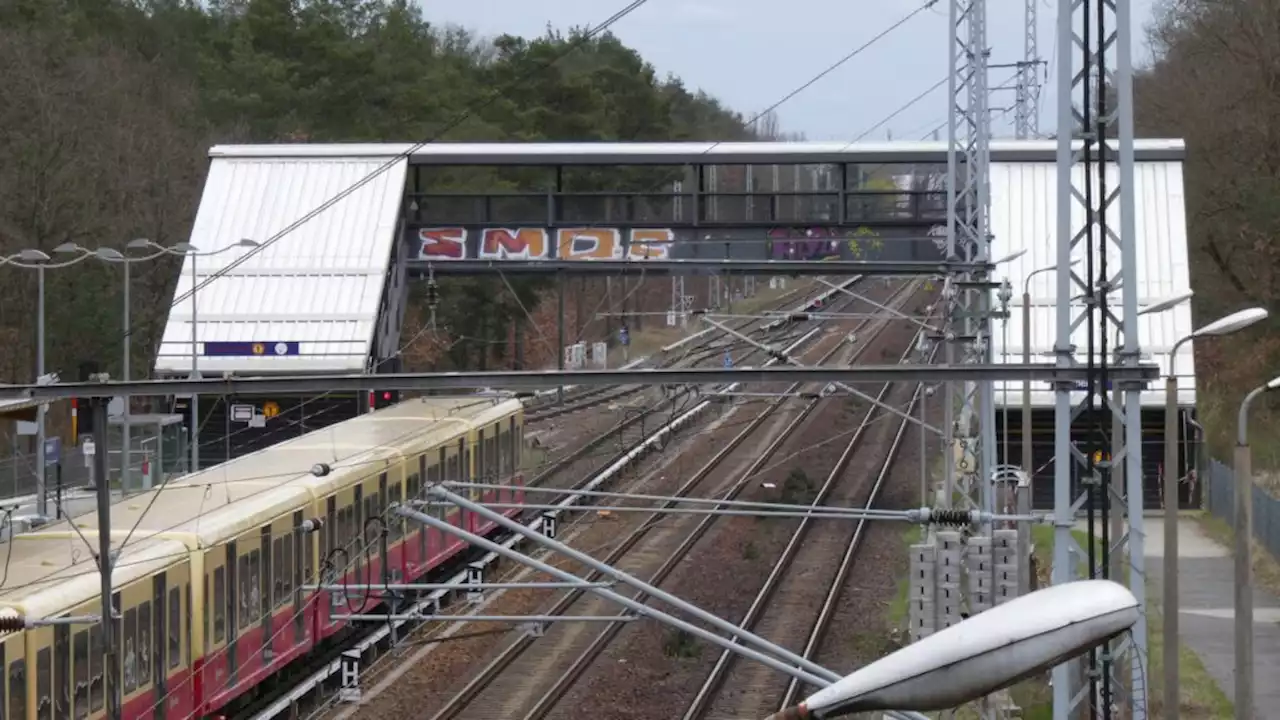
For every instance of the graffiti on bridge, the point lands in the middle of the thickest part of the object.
(823, 243)
(584, 243)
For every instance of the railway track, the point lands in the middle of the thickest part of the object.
(286, 701)
(527, 678)
(706, 348)
(802, 573)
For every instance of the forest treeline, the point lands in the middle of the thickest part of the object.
(109, 106)
(1213, 82)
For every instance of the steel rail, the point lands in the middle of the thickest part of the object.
(719, 672)
(835, 590)
(556, 692)
(591, 480)
(482, 680)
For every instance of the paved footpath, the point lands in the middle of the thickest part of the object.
(1206, 588)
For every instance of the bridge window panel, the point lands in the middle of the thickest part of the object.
(80, 674)
(175, 628)
(219, 605)
(18, 689)
(44, 685)
(95, 668)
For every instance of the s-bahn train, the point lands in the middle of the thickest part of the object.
(210, 568)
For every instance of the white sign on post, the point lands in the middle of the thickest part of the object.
(350, 667)
(242, 413)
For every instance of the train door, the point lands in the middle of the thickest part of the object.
(232, 600)
(415, 535)
(266, 593)
(62, 671)
(159, 646)
(467, 475)
(250, 604)
(33, 682)
(354, 542)
(299, 568)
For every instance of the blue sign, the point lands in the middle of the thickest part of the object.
(250, 349)
(52, 451)
(624, 337)
(728, 360)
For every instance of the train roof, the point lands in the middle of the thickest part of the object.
(51, 573)
(221, 502)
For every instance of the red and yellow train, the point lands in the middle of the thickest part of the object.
(209, 585)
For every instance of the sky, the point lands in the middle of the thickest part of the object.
(751, 53)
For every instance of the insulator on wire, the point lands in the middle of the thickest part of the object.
(949, 516)
(12, 624)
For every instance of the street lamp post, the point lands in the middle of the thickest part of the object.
(193, 252)
(38, 260)
(1244, 556)
(1223, 326)
(1028, 465)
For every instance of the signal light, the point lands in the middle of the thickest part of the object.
(379, 399)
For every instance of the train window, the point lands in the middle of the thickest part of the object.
(286, 570)
(502, 455)
(482, 466)
(250, 596)
(62, 671)
(18, 689)
(495, 455)
(397, 522)
(286, 567)
(175, 628)
(329, 526)
(145, 640)
(509, 452)
(44, 685)
(80, 656)
(277, 573)
(219, 604)
(130, 650)
(95, 669)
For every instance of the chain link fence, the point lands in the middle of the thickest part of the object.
(1221, 491)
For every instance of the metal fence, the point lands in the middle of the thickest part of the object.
(1221, 493)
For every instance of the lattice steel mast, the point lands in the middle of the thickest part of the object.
(966, 330)
(1095, 214)
(1026, 114)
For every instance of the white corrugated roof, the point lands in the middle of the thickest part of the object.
(674, 153)
(1024, 212)
(320, 285)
